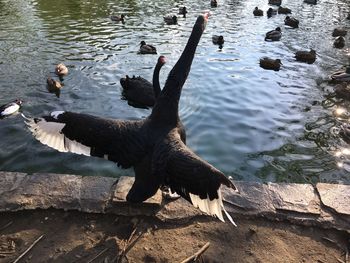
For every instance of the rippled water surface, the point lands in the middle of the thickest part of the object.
(251, 123)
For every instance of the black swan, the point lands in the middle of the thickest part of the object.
(140, 92)
(152, 146)
(10, 108)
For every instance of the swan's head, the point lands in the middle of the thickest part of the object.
(162, 60)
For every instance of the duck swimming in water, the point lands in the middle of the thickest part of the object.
(147, 49)
(61, 70)
(275, 2)
(183, 11)
(10, 108)
(341, 75)
(258, 12)
(291, 21)
(271, 12)
(274, 35)
(153, 146)
(339, 42)
(306, 56)
(213, 3)
(54, 86)
(269, 63)
(118, 18)
(139, 91)
(339, 32)
(170, 19)
(284, 10)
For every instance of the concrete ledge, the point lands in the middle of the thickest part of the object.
(326, 205)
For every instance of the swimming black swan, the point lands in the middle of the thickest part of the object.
(152, 146)
(139, 91)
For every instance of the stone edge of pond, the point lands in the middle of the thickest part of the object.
(322, 205)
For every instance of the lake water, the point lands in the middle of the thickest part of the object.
(251, 123)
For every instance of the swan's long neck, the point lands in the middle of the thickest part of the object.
(166, 107)
(155, 80)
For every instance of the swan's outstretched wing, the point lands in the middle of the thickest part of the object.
(122, 142)
(189, 175)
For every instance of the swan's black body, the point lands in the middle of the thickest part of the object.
(154, 146)
(139, 91)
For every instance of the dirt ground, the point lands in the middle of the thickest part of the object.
(81, 237)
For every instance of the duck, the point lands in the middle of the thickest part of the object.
(54, 86)
(270, 12)
(284, 10)
(118, 18)
(61, 70)
(344, 132)
(339, 32)
(218, 40)
(10, 108)
(258, 12)
(269, 63)
(342, 91)
(339, 42)
(306, 56)
(348, 16)
(274, 35)
(311, 2)
(341, 75)
(140, 92)
(291, 21)
(275, 2)
(170, 19)
(213, 3)
(147, 49)
(153, 146)
(183, 11)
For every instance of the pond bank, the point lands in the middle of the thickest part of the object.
(276, 222)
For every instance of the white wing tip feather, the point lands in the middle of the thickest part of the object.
(211, 207)
(50, 134)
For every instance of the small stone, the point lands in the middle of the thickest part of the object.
(146, 248)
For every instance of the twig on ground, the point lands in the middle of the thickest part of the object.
(7, 225)
(99, 254)
(28, 249)
(122, 253)
(339, 260)
(196, 255)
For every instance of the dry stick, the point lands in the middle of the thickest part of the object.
(121, 254)
(99, 254)
(29, 248)
(7, 225)
(128, 245)
(195, 256)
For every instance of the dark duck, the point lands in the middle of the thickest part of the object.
(170, 19)
(118, 18)
(147, 49)
(183, 11)
(153, 146)
(10, 108)
(140, 92)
